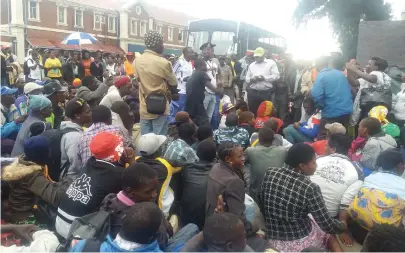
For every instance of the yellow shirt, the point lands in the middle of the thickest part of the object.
(155, 74)
(53, 65)
(233, 68)
(129, 68)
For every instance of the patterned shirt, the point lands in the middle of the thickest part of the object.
(179, 150)
(287, 197)
(234, 134)
(84, 142)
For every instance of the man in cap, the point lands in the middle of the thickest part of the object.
(226, 78)
(156, 78)
(333, 128)
(122, 87)
(57, 94)
(30, 88)
(259, 79)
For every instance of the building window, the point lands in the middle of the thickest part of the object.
(180, 37)
(62, 15)
(78, 18)
(111, 24)
(170, 33)
(159, 28)
(142, 28)
(138, 10)
(134, 27)
(98, 22)
(33, 8)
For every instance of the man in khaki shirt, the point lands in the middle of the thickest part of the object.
(155, 74)
(226, 78)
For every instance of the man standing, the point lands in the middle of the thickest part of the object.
(212, 71)
(35, 66)
(226, 78)
(157, 84)
(183, 70)
(259, 78)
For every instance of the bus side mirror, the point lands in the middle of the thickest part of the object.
(234, 39)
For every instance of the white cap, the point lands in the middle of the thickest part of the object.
(31, 86)
(148, 144)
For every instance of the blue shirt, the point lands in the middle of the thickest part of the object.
(386, 182)
(331, 93)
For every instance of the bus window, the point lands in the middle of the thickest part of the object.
(224, 42)
(196, 39)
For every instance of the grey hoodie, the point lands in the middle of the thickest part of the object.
(373, 147)
(68, 148)
(87, 95)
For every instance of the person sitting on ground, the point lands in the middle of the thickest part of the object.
(247, 121)
(261, 157)
(289, 188)
(226, 110)
(92, 90)
(385, 238)
(232, 133)
(180, 149)
(338, 178)
(380, 112)
(203, 132)
(99, 177)
(279, 140)
(320, 146)
(102, 120)
(381, 199)
(179, 118)
(226, 179)
(241, 106)
(122, 118)
(121, 88)
(194, 184)
(304, 131)
(137, 234)
(79, 113)
(377, 142)
(265, 112)
(55, 92)
(150, 146)
(40, 108)
(29, 89)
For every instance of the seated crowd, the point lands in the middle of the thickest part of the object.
(75, 167)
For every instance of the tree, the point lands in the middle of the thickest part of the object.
(344, 16)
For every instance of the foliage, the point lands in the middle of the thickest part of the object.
(344, 16)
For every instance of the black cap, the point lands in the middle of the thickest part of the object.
(53, 86)
(205, 45)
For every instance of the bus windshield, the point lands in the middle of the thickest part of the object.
(196, 39)
(224, 42)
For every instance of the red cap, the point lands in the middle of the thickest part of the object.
(121, 81)
(107, 146)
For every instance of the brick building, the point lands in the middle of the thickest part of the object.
(117, 24)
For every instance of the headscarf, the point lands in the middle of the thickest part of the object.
(107, 146)
(379, 112)
(38, 102)
(153, 38)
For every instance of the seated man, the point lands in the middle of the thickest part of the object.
(203, 132)
(333, 128)
(180, 149)
(279, 140)
(393, 238)
(304, 131)
(232, 133)
(137, 234)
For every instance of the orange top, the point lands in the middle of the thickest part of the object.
(86, 65)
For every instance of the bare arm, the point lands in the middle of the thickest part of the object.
(365, 76)
(351, 78)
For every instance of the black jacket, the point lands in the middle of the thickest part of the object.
(194, 179)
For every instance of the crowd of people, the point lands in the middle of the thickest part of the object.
(251, 154)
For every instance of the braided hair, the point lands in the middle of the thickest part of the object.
(224, 150)
(385, 238)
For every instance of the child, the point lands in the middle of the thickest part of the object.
(247, 121)
(226, 109)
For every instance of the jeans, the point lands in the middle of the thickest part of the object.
(215, 116)
(177, 106)
(294, 136)
(256, 97)
(209, 104)
(159, 126)
(181, 237)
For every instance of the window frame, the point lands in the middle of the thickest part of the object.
(170, 32)
(114, 18)
(141, 23)
(182, 36)
(100, 23)
(64, 23)
(81, 21)
(131, 27)
(36, 18)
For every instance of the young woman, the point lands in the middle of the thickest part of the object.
(84, 66)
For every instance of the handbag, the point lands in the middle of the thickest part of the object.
(373, 95)
(155, 101)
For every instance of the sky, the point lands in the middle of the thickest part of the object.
(307, 42)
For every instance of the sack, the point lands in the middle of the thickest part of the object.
(155, 103)
(372, 95)
(54, 137)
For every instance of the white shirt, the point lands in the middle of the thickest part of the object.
(399, 108)
(182, 69)
(42, 241)
(36, 73)
(339, 181)
(212, 74)
(112, 96)
(268, 69)
(111, 69)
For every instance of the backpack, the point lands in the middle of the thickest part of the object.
(54, 137)
(93, 228)
(26, 68)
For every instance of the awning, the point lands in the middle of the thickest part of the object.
(169, 51)
(40, 43)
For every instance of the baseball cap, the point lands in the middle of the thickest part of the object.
(31, 86)
(7, 91)
(148, 144)
(228, 106)
(259, 52)
(107, 146)
(52, 87)
(336, 128)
